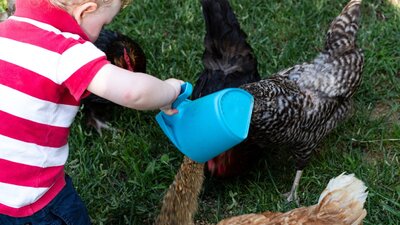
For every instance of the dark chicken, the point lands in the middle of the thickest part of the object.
(228, 62)
(228, 59)
(121, 51)
(295, 107)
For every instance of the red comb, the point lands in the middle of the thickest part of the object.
(128, 60)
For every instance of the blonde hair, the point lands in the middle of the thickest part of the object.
(65, 4)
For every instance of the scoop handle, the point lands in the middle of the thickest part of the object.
(186, 91)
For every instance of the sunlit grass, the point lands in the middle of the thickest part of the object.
(3, 5)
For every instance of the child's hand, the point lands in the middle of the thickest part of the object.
(176, 84)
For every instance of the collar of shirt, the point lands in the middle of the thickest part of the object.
(44, 11)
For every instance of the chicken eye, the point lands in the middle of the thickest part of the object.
(294, 77)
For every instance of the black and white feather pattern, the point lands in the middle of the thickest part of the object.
(295, 107)
(300, 105)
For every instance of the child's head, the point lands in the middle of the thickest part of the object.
(91, 15)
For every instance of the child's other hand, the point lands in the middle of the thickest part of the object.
(176, 84)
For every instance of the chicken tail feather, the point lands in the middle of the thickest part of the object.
(342, 32)
(341, 63)
(344, 197)
(228, 58)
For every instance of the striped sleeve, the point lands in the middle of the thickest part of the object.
(76, 70)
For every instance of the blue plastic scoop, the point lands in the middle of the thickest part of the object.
(208, 126)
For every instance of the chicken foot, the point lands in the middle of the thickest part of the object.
(292, 195)
(98, 125)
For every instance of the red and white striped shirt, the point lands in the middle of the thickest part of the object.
(46, 64)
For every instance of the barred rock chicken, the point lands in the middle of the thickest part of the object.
(342, 202)
(295, 107)
(121, 51)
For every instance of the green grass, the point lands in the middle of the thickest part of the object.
(3, 5)
(123, 175)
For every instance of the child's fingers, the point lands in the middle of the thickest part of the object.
(170, 112)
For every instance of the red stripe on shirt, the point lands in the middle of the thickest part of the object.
(31, 132)
(45, 12)
(39, 86)
(78, 82)
(28, 176)
(56, 43)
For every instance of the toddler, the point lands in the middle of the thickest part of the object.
(47, 65)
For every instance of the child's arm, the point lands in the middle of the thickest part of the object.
(135, 90)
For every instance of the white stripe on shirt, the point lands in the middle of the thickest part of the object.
(31, 154)
(73, 59)
(19, 196)
(52, 65)
(36, 110)
(43, 63)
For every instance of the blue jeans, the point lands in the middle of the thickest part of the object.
(66, 208)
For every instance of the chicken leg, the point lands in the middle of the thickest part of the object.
(292, 195)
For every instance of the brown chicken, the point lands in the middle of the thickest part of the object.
(342, 202)
(121, 51)
(181, 200)
(295, 108)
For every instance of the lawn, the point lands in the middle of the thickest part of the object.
(123, 175)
